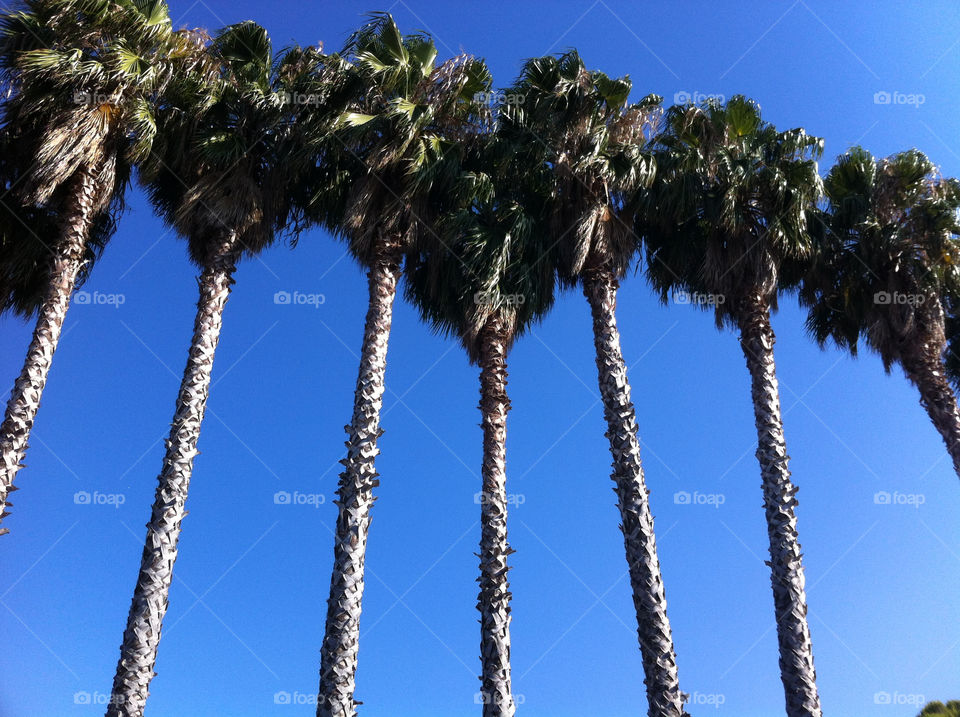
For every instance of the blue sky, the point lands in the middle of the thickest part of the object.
(248, 602)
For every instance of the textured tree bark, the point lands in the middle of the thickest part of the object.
(28, 389)
(779, 501)
(138, 653)
(494, 599)
(925, 370)
(341, 642)
(653, 628)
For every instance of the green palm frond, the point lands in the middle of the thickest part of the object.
(728, 213)
(492, 261)
(887, 259)
(406, 123)
(590, 148)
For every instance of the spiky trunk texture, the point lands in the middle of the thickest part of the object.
(653, 628)
(925, 370)
(494, 599)
(779, 501)
(28, 389)
(138, 653)
(341, 641)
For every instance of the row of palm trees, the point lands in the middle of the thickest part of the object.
(483, 206)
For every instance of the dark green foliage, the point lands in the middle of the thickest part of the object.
(588, 150)
(728, 213)
(492, 261)
(395, 151)
(886, 255)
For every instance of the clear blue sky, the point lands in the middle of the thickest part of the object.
(249, 596)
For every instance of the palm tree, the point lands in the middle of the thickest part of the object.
(486, 284)
(226, 155)
(724, 220)
(83, 75)
(886, 261)
(577, 125)
(393, 156)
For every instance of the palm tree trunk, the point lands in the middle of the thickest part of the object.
(494, 599)
(138, 653)
(925, 370)
(779, 501)
(341, 642)
(653, 628)
(25, 397)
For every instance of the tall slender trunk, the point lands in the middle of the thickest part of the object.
(138, 653)
(925, 370)
(341, 641)
(25, 397)
(494, 599)
(653, 628)
(779, 501)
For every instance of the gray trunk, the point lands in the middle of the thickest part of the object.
(338, 656)
(779, 501)
(494, 599)
(653, 628)
(138, 653)
(26, 393)
(925, 370)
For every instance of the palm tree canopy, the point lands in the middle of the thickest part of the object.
(396, 149)
(80, 79)
(28, 236)
(83, 76)
(227, 150)
(727, 215)
(592, 147)
(492, 265)
(886, 255)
